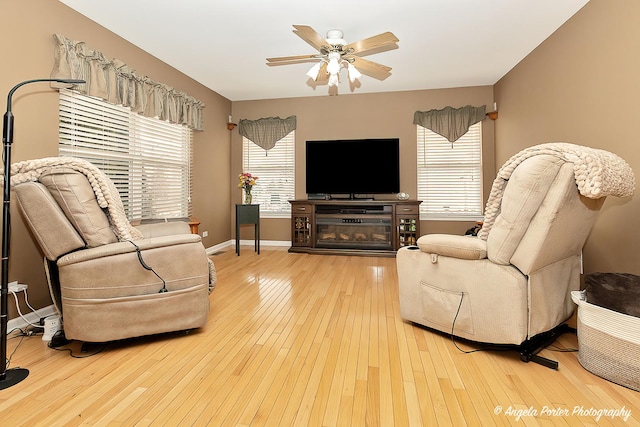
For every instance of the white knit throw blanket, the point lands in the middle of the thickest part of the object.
(105, 190)
(598, 173)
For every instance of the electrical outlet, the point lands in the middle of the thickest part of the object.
(205, 233)
(15, 287)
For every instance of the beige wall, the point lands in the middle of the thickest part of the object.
(350, 116)
(28, 51)
(582, 85)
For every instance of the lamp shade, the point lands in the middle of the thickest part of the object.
(333, 67)
(354, 74)
(314, 71)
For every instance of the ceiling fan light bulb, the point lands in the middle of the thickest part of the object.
(333, 80)
(314, 71)
(333, 67)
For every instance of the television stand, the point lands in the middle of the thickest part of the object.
(354, 227)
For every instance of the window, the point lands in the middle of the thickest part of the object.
(148, 159)
(275, 170)
(450, 175)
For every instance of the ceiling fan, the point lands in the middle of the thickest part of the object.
(334, 53)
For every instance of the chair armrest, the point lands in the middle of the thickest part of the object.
(126, 247)
(164, 229)
(114, 270)
(451, 245)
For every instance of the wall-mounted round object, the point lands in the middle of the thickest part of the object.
(402, 196)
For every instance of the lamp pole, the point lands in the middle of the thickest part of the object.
(11, 377)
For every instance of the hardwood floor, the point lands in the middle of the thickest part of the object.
(297, 340)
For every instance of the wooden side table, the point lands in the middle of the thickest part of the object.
(194, 223)
(248, 214)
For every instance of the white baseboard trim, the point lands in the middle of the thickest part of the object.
(220, 246)
(213, 249)
(267, 242)
(32, 317)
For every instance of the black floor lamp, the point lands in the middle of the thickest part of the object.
(11, 377)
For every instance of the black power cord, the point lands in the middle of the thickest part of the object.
(453, 325)
(496, 347)
(453, 338)
(21, 335)
(146, 267)
(58, 340)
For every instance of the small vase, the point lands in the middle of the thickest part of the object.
(248, 198)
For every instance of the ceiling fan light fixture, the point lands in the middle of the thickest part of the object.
(334, 54)
(354, 74)
(335, 38)
(333, 67)
(314, 71)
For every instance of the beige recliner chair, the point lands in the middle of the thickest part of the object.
(109, 280)
(512, 283)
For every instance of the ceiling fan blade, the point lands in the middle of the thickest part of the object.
(323, 75)
(371, 69)
(379, 49)
(300, 61)
(293, 58)
(374, 43)
(310, 35)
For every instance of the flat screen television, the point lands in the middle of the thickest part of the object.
(354, 167)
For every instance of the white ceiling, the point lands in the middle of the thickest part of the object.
(223, 43)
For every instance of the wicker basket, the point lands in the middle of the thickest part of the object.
(609, 343)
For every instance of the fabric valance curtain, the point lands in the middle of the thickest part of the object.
(117, 83)
(450, 122)
(267, 131)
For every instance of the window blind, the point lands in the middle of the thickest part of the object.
(450, 175)
(275, 169)
(149, 160)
